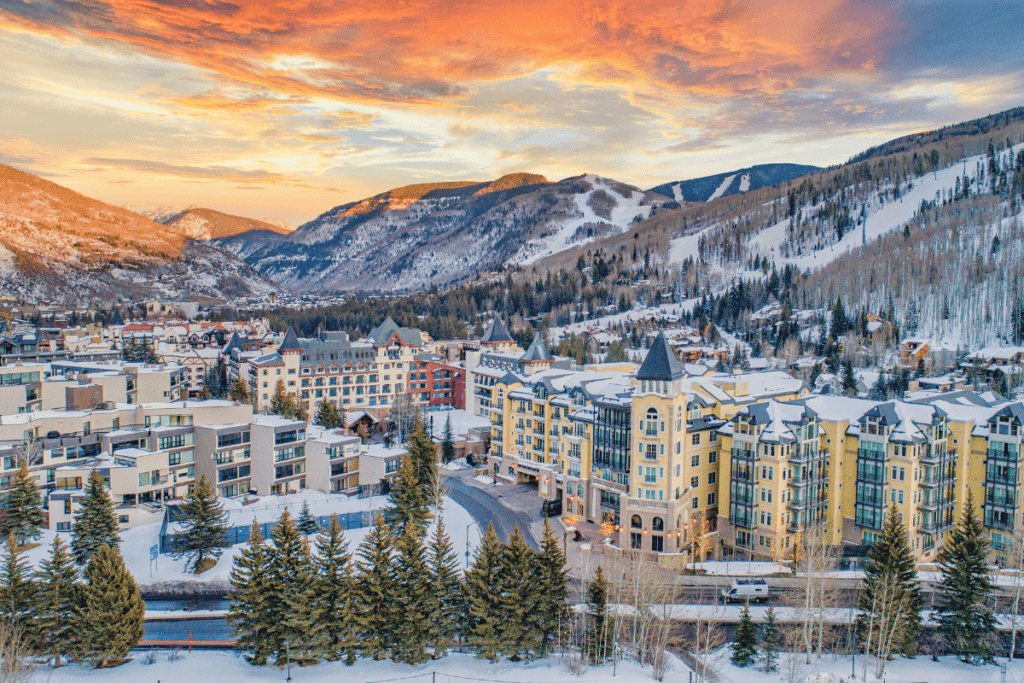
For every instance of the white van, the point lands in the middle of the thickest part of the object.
(743, 590)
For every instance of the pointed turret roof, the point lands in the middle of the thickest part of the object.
(537, 353)
(116, 318)
(661, 364)
(232, 343)
(496, 333)
(290, 342)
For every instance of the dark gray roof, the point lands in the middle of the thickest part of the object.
(886, 411)
(661, 363)
(1014, 410)
(536, 353)
(496, 332)
(383, 332)
(509, 378)
(290, 341)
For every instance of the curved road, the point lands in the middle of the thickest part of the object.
(485, 506)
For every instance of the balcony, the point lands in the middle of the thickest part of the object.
(644, 504)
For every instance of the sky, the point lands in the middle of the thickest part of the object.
(286, 108)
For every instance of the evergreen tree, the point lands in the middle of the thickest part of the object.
(300, 412)
(24, 507)
(485, 604)
(94, 524)
(251, 586)
(17, 590)
(240, 391)
(109, 615)
(599, 638)
(328, 416)
(770, 641)
(409, 504)
(448, 442)
(744, 649)
(56, 593)
(411, 598)
(333, 610)
(446, 591)
(307, 522)
(849, 380)
(375, 589)
(553, 589)
(423, 454)
(204, 528)
(282, 403)
(519, 597)
(964, 619)
(291, 602)
(891, 572)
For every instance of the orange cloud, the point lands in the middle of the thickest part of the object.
(436, 52)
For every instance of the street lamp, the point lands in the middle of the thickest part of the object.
(467, 545)
(288, 655)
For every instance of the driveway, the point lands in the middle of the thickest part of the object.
(504, 505)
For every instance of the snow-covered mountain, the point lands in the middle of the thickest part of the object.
(712, 187)
(421, 235)
(58, 244)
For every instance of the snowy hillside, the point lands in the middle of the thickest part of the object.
(709, 188)
(421, 235)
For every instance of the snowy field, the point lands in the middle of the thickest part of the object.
(226, 667)
(136, 543)
(831, 669)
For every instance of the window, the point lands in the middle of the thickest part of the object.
(766, 495)
(712, 457)
(657, 524)
(712, 478)
(694, 482)
(712, 498)
(695, 460)
(695, 439)
(696, 502)
(636, 522)
(713, 436)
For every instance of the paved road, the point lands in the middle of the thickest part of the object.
(201, 629)
(486, 505)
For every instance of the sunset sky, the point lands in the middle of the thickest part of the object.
(285, 109)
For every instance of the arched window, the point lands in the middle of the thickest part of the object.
(651, 428)
(658, 524)
(636, 522)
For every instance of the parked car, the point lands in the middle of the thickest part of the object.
(52, 435)
(746, 590)
(551, 508)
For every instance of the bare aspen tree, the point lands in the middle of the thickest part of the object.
(1016, 564)
(15, 665)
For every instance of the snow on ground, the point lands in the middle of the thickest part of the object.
(741, 568)
(722, 188)
(229, 667)
(682, 248)
(669, 311)
(136, 542)
(745, 182)
(462, 422)
(830, 669)
(626, 208)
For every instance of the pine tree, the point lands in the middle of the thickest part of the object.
(964, 619)
(307, 522)
(424, 457)
(94, 524)
(409, 504)
(411, 598)
(849, 380)
(292, 587)
(282, 403)
(328, 416)
(600, 630)
(770, 641)
(17, 590)
(333, 611)
(375, 589)
(251, 585)
(109, 615)
(24, 507)
(240, 391)
(744, 649)
(519, 596)
(485, 603)
(448, 442)
(446, 591)
(553, 589)
(56, 593)
(891, 572)
(204, 528)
